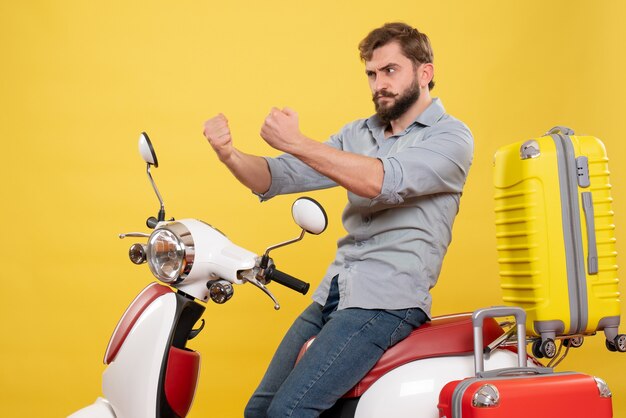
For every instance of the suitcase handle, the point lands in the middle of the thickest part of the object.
(592, 247)
(559, 129)
(479, 316)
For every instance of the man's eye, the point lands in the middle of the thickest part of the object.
(391, 70)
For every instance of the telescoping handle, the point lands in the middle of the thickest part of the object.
(287, 280)
(479, 316)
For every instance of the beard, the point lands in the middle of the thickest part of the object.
(403, 101)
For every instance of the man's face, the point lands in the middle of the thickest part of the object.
(393, 81)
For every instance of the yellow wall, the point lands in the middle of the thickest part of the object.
(79, 81)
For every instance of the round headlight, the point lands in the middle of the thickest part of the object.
(170, 253)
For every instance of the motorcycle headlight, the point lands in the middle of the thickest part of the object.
(170, 252)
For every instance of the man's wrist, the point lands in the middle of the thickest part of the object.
(300, 147)
(227, 158)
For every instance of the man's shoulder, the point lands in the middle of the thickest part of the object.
(450, 124)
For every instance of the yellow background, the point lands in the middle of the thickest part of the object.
(80, 80)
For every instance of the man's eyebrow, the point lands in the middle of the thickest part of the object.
(383, 68)
(388, 66)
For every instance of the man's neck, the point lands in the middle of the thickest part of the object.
(397, 126)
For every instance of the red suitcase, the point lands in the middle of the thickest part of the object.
(523, 391)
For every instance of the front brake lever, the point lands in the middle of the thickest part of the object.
(261, 286)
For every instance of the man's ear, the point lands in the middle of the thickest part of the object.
(426, 72)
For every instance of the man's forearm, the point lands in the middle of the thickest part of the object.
(251, 170)
(359, 174)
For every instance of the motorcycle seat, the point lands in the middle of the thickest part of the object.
(443, 336)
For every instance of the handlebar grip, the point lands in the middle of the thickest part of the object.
(287, 280)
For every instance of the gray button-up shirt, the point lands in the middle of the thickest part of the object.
(396, 242)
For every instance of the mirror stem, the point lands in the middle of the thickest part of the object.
(265, 258)
(161, 217)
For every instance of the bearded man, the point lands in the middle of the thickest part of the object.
(404, 169)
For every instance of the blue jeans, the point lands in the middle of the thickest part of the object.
(348, 344)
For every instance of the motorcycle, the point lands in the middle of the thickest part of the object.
(151, 372)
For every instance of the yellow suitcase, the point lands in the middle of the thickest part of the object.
(556, 238)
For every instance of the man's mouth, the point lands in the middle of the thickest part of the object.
(384, 95)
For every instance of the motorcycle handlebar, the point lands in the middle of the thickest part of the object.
(287, 280)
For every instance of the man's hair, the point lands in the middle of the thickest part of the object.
(414, 44)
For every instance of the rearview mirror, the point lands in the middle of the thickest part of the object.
(146, 150)
(149, 156)
(309, 215)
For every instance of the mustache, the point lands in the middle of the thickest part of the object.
(383, 93)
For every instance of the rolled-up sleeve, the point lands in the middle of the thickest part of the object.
(290, 175)
(438, 163)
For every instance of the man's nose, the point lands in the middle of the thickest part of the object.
(380, 84)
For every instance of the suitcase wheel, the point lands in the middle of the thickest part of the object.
(545, 348)
(573, 342)
(618, 344)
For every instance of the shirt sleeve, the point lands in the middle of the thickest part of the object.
(437, 164)
(290, 175)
